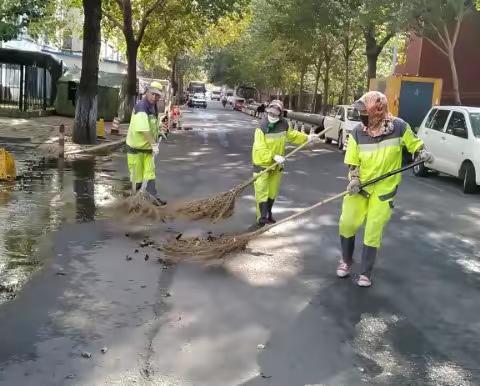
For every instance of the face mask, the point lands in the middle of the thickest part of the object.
(364, 119)
(273, 119)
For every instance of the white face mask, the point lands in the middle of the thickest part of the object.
(273, 119)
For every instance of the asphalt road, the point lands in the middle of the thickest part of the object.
(272, 315)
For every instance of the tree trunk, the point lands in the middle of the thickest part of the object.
(317, 81)
(173, 75)
(455, 83)
(132, 51)
(326, 82)
(85, 124)
(346, 85)
(300, 92)
(372, 68)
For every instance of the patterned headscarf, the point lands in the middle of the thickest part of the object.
(380, 121)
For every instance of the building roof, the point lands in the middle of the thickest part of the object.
(31, 58)
(105, 79)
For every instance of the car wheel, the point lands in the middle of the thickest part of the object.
(420, 170)
(468, 175)
(340, 140)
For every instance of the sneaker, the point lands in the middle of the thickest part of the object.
(271, 220)
(343, 269)
(256, 227)
(364, 281)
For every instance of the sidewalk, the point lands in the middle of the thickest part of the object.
(38, 137)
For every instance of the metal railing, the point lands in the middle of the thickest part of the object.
(25, 88)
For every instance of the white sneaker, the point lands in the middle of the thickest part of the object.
(343, 269)
(364, 281)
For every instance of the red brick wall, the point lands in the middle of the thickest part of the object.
(429, 62)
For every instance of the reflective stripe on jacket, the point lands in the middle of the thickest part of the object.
(376, 156)
(270, 141)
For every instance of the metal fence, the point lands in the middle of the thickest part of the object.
(25, 88)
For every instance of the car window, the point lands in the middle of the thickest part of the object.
(475, 121)
(333, 113)
(352, 114)
(438, 122)
(428, 123)
(457, 125)
(340, 112)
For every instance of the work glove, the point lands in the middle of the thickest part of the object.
(354, 181)
(313, 139)
(155, 149)
(279, 159)
(425, 156)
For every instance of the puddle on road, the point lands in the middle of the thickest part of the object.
(43, 199)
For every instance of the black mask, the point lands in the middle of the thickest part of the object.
(364, 119)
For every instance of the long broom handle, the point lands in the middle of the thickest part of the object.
(340, 195)
(274, 165)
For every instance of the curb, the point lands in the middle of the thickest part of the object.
(93, 149)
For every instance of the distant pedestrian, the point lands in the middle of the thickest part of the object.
(260, 111)
(374, 148)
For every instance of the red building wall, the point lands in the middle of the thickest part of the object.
(423, 59)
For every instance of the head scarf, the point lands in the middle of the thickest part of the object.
(380, 121)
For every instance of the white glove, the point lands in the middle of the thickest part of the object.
(279, 159)
(425, 156)
(313, 138)
(354, 186)
(354, 178)
(155, 149)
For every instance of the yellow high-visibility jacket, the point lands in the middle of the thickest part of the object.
(270, 140)
(376, 156)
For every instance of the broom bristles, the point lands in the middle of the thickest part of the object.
(214, 208)
(204, 250)
(143, 204)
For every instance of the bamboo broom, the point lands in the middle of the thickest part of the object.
(214, 249)
(221, 205)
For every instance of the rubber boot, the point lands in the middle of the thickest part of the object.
(348, 246)
(153, 191)
(369, 254)
(270, 218)
(263, 220)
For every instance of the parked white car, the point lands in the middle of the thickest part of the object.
(345, 120)
(452, 135)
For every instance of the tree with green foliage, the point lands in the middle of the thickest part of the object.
(16, 15)
(140, 18)
(381, 20)
(132, 17)
(85, 124)
(439, 22)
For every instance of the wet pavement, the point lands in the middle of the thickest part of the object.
(272, 315)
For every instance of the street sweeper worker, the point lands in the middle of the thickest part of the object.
(374, 148)
(142, 141)
(269, 143)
